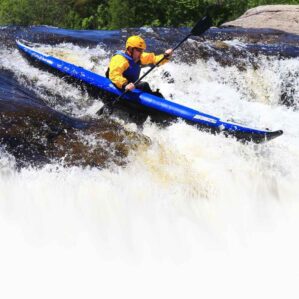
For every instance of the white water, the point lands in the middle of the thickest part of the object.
(195, 215)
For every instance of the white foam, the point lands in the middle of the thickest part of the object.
(194, 215)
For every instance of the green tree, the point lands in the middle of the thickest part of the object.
(34, 12)
(15, 12)
(122, 13)
(49, 12)
(114, 14)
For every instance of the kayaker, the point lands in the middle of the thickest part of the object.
(124, 67)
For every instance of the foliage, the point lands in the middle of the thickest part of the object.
(113, 14)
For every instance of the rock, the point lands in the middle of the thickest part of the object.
(278, 17)
(35, 134)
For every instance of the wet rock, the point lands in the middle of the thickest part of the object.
(102, 144)
(167, 76)
(289, 93)
(279, 17)
(36, 134)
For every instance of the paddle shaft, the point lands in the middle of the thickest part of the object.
(200, 27)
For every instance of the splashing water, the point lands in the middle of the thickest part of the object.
(193, 214)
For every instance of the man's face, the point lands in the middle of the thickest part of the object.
(136, 53)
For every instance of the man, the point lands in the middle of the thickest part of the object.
(124, 67)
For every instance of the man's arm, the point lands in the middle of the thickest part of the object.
(118, 64)
(151, 58)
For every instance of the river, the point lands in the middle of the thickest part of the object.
(190, 215)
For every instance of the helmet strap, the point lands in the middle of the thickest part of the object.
(130, 51)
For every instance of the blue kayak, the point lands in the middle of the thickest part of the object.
(151, 104)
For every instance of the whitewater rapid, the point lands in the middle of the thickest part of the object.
(192, 215)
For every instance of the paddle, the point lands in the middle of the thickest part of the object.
(201, 26)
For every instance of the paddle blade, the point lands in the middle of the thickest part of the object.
(106, 110)
(202, 25)
(100, 111)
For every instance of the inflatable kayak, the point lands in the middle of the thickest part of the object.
(145, 102)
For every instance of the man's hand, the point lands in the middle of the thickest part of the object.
(130, 86)
(168, 53)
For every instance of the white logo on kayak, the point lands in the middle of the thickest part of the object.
(42, 58)
(205, 118)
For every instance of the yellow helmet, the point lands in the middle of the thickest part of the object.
(136, 41)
